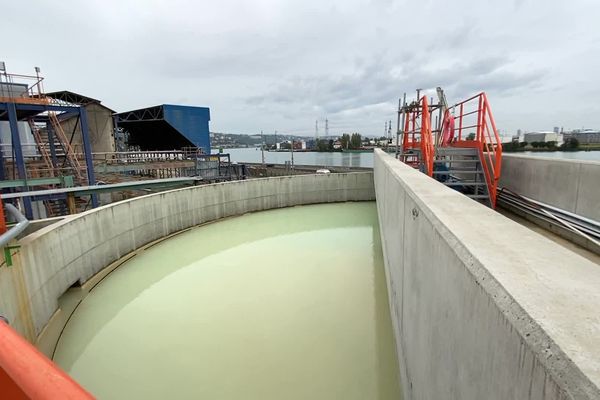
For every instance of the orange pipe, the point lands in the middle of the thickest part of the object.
(2, 218)
(25, 373)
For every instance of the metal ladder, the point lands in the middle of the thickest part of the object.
(41, 144)
(70, 155)
(462, 170)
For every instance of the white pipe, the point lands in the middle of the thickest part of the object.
(16, 230)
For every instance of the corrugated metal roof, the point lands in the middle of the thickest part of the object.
(190, 122)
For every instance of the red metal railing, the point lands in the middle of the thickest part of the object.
(417, 134)
(474, 127)
(25, 373)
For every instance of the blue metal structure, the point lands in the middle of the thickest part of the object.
(167, 127)
(191, 122)
(27, 108)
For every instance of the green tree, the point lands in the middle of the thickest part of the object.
(570, 144)
(345, 139)
(510, 146)
(323, 145)
(471, 136)
(355, 141)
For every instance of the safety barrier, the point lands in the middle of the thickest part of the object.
(417, 135)
(25, 373)
(475, 113)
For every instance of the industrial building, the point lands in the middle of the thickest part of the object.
(543, 136)
(52, 141)
(100, 121)
(166, 127)
(586, 136)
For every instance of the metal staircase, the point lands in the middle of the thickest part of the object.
(464, 151)
(70, 156)
(66, 162)
(58, 159)
(42, 147)
(462, 170)
(55, 208)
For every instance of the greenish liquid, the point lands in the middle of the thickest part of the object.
(282, 304)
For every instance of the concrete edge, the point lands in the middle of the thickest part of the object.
(541, 158)
(66, 220)
(568, 376)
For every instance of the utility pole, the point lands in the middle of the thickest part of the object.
(317, 130)
(400, 132)
(292, 149)
(326, 127)
(398, 127)
(262, 148)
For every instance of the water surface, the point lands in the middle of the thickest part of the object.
(366, 159)
(335, 159)
(282, 304)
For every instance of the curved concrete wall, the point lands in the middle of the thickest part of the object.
(482, 307)
(571, 185)
(73, 250)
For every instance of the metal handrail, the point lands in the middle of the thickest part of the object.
(487, 140)
(16, 230)
(27, 373)
(418, 121)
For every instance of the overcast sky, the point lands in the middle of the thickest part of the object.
(281, 65)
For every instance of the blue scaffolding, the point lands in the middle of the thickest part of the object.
(22, 102)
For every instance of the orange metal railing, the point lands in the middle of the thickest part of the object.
(418, 135)
(34, 94)
(25, 373)
(2, 218)
(473, 126)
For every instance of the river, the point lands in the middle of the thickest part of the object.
(282, 304)
(339, 159)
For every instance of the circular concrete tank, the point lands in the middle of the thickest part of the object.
(288, 303)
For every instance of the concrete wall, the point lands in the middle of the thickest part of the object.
(571, 185)
(74, 249)
(482, 307)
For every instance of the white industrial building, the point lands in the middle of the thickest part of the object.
(543, 136)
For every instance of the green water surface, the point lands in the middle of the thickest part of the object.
(283, 304)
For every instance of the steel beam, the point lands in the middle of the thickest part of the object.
(87, 149)
(20, 161)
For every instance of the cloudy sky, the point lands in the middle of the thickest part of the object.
(281, 65)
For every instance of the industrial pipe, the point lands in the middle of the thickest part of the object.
(13, 232)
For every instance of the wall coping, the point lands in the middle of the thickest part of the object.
(549, 295)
